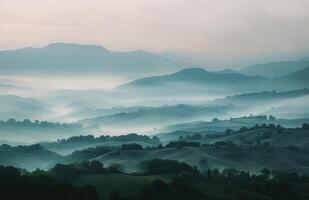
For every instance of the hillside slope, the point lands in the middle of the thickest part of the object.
(225, 156)
(275, 68)
(28, 157)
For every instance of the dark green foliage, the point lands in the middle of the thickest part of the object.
(267, 134)
(14, 186)
(305, 126)
(71, 171)
(132, 146)
(159, 166)
(183, 144)
(272, 117)
(195, 136)
(273, 184)
(178, 188)
(115, 168)
(89, 153)
(91, 140)
(42, 124)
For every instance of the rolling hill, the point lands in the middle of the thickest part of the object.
(29, 132)
(199, 82)
(152, 117)
(80, 143)
(255, 98)
(20, 108)
(190, 79)
(27, 157)
(287, 104)
(297, 79)
(172, 132)
(217, 156)
(272, 134)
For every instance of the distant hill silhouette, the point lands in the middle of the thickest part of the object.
(276, 68)
(190, 79)
(12, 106)
(27, 157)
(61, 58)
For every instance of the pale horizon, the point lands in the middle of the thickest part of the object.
(262, 31)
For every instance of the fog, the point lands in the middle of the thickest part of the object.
(102, 107)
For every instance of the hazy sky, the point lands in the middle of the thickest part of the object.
(221, 30)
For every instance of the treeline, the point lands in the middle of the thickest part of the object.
(273, 129)
(185, 182)
(269, 94)
(37, 124)
(69, 172)
(257, 117)
(17, 185)
(228, 183)
(106, 138)
(21, 148)
(159, 166)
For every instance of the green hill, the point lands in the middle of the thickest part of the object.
(28, 157)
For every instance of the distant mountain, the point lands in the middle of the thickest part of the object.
(188, 80)
(196, 75)
(198, 81)
(20, 108)
(92, 112)
(227, 71)
(27, 157)
(291, 81)
(256, 98)
(27, 131)
(274, 69)
(60, 58)
(296, 79)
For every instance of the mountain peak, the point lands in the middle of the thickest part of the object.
(73, 46)
(193, 70)
(227, 71)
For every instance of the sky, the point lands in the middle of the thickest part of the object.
(220, 31)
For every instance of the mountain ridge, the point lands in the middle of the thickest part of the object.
(275, 69)
(59, 58)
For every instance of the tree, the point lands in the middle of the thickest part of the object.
(96, 166)
(265, 173)
(305, 126)
(115, 168)
(11, 121)
(159, 166)
(215, 119)
(228, 131)
(132, 146)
